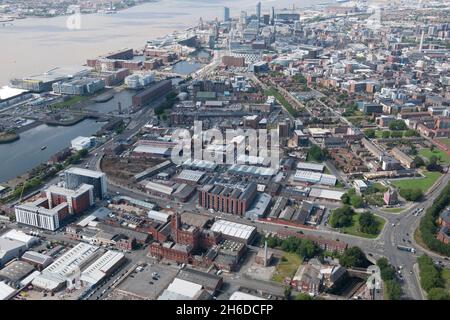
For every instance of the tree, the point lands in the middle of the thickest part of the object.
(303, 296)
(397, 125)
(438, 294)
(430, 276)
(287, 293)
(353, 257)
(412, 194)
(370, 133)
(316, 154)
(368, 223)
(357, 201)
(433, 164)
(385, 134)
(418, 162)
(387, 271)
(396, 134)
(410, 133)
(393, 290)
(345, 198)
(342, 217)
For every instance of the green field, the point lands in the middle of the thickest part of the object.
(441, 155)
(393, 210)
(287, 269)
(422, 183)
(354, 228)
(282, 100)
(70, 102)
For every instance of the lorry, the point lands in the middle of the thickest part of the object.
(407, 249)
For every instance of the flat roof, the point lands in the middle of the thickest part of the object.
(7, 92)
(85, 172)
(190, 175)
(310, 166)
(326, 194)
(232, 229)
(239, 295)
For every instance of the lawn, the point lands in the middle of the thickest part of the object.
(287, 268)
(441, 155)
(70, 102)
(393, 210)
(282, 100)
(354, 228)
(423, 183)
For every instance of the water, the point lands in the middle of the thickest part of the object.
(24, 154)
(36, 45)
(185, 67)
(124, 97)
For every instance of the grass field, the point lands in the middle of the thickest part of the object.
(287, 269)
(441, 155)
(274, 92)
(70, 102)
(354, 228)
(423, 183)
(393, 210)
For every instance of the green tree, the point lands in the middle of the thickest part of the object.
(397, 125)
(412, 194)
(368, 223)
(370, 133)
(342, 217)
(303, 296)
(438, 294)
(357, 201)
(418, 162)
(353, 257)
(385, 134)
(393, 290)
(316, 154)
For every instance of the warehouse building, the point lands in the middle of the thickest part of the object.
(315, 178)
(102, 267)
(234, 231)
(259, 207)
(181, 289)
(190, 176)
(309, 166)
(10, 249)
(144, 97)
(15, 271)
(38, 260)
(56, 275)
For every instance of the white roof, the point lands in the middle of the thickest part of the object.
(81, 140)
(233, 229)
(190, 175)
(158, 215)
(151, 149)
(19, 236)
(8, 245)
(8, 92)
(310, 166)
(85, 172)
(326, 194)
(184, 288)
(6, 292)
(58, 271)
(159, 187)
(98, 270)
(238, 295)
(28, 279)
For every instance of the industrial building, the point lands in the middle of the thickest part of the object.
(234, 231)
(181, 289)
(74, 177)
(228, 199)
(79, 87)
(102, 267)
(259, 207)
(315, 178)
(158, 90)
(80, 143)
(66, 267)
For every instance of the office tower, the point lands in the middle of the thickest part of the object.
(258, 12)
(272, 17)
(226, 14)
(75, 177)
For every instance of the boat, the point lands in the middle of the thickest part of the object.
(43, 147)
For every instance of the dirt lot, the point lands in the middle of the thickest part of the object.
(124, 169)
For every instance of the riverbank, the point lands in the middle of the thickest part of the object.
(8, 137)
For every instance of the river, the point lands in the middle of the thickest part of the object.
(36, 45)
(18, 157)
